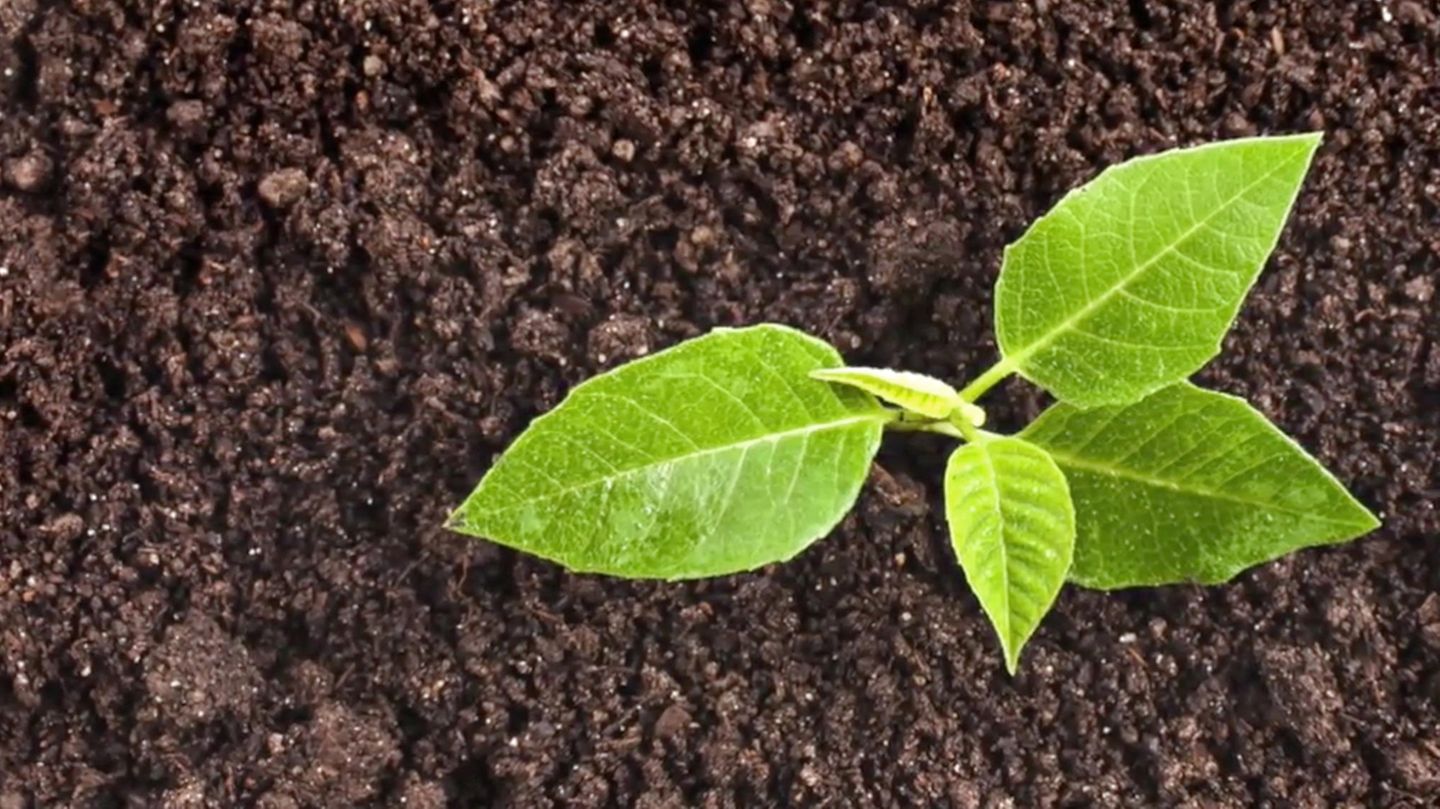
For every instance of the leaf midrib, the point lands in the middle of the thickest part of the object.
(1085, 311)
(878, 418)
(1002, 540)
(1140, 477)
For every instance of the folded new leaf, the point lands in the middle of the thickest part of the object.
(917, 393)
(1013, 529)
(715, 456)
(1189, 485)
(1129, 283)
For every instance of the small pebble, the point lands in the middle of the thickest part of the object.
(65, 528)
(672, 720)
(355, 333)
(1420, 288)
(186, 114)
(29, 173)
(284, 188)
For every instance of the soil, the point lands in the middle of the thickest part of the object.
(278, 278)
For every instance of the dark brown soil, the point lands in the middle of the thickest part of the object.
(278, 279)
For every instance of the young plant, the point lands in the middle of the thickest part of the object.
(741, 447)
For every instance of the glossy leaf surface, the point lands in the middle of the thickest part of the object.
(715, 456)
(1189, 485)
(1013, 529)
(1130, 282)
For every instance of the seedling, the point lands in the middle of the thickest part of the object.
(741, 447)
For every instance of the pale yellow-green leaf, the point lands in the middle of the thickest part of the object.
(1013, 528)
(917, 393)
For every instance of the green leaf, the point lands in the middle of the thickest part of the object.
(914, 392)
(715, 456)
(1189, 485)
(1130, 282)
(1013, 528)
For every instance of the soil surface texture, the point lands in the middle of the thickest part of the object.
(279, 278)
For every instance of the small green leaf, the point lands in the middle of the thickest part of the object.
(914, 392)
(1013, 529)
(1130, 282)
(1189, 485)
(715, 456)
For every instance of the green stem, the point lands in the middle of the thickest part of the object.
(961, 421)
(987, 380)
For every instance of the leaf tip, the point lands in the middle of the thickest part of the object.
(1361, 518)
(1012, 659)
(1302, 148)
(1311, 141)
(1308, 141)
(455, 521)
(1369, 521)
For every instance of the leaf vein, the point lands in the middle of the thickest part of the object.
(1096, 467)
(719, 450)
(1140, 267)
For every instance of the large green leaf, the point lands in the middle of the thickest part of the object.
(917, 393)
(1189, 485)
(1013, 528)
(715, 456)
(1130, 282)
